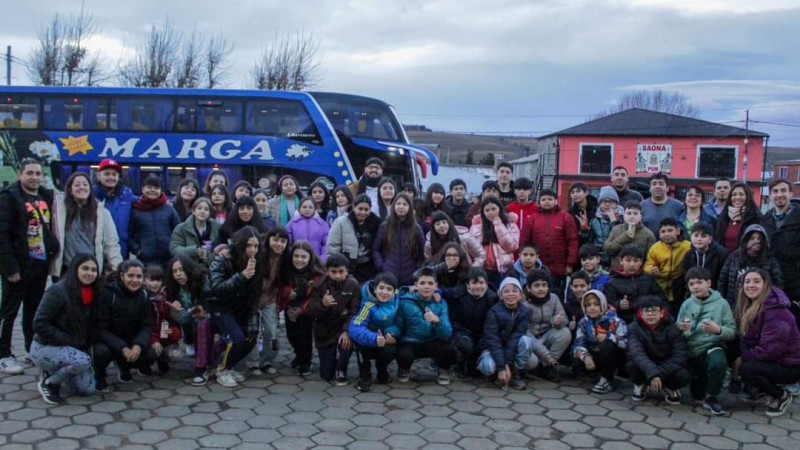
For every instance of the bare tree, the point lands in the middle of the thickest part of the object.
(654, 100)
(290, 62)
(189, 69)
(217, 51)
(154, 61)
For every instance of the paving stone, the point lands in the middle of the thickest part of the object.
(105, 442)
(677, 435)
(28, 414)
(178, 444)
(768, 430)
(31, 436)
(619, 446)
(10, 427)
(569, 426)
(93, 418)
(219, 440)
(650, 441)
(405, 441)
(334, 425)
(580, 440)
(611, 434)
(229, 427)
(744, 436)
(443, 436)
(147, 437)
(511, 438)
(473, 430)
(546, 444)
(76, 431)
(199, 419)
(260, 435)
(368, 434)
(760, 447)
(120, 428)
(503, 425)
(367, 446)
(370, 420)
(477, 444)
(190, 432)
(59, 444)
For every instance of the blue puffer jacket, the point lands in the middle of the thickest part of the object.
(151, 232)
(372, 316)
(410, 323)
(502, 331)
(119, 204)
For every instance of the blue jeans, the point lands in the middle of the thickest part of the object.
(65, 366)
(233, 334)
(268, 336)
(487, 366)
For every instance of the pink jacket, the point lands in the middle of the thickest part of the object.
(473, 248)
(507, 237)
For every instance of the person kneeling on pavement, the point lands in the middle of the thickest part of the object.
(600, 341)
(548, 325)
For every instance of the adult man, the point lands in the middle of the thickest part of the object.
(619, 180)
(504, 174)
(27, 247)
(659, 206)
(457, 201)
(368, 183)
(582, 209)
(117, 197)
(722, 188)
(782, 224)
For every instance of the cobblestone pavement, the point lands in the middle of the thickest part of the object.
(286, 412)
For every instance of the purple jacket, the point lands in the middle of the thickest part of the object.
(398, 259)
(773, 337)
(314, 230)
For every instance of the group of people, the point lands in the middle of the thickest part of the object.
(666, 293)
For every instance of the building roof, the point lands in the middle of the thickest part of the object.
(525, 159)
(643, 122)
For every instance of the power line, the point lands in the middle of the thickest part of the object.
(792, 125)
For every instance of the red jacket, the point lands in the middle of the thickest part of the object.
(556, 235)
(522, 211)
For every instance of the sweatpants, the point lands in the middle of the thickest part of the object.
(27, 293)
(333, 359)
(766, 376)
(443, 352)
(674, 382)
(382, 357)
(708, 373)
(557, 341)
(65, 366)
(300, 334)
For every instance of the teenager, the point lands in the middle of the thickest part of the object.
(631, 231)
(188, 192)
(243, 214)
(629, 283)
(318, 192)
(399, 246)
(242, 189)
(152, 222)
(261, 197)
(444, 230)
(505, 183)
(353, 235)
(608, 214)
(665, 262)
(215, 178)
(694, 212)
(286, 201)
(753, 251)
(387, 191)
(458, 203)
(451, 265)
(221, 203)
(499, 235)
(434, 202)
(524, 205)
(583, 209)
(342, 204)
(195, 236)
(705, 252)
(307, 225)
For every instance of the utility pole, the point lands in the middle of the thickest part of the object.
(8, 65)
(746, 141)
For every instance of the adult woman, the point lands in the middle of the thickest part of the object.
(399, 246)
(387, 191)
(215, 178)
(221, 204)
(243, 215)
(285, 203)
(64, 331)
(83, 225)
(739, 213)
(152, 222)
(499, 235)
(353, 234)
(188, 192)
(195, 236)
(322, 198)
(444, 231)
(242, 189)
(770, 340)
(308, 226)
(694, 212)
(261, 197)
(434, 202)
(343, 203)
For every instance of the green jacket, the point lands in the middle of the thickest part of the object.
(185, 241)
(713, 308)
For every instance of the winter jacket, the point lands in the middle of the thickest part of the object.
(712, 259)
(632, 286)
(556, 236)
(398, 259)
(373, 316)
(106, 241)
(227, 290)
(686, 233)
(659, 352)
(312, 229)
(753, 217)
(572, 306)
(473, 248)
(185, 241)
(713, 308)
(150, 233)
(773, 336)
(585, 234)
(710, 208)
(522, 211)
(518, 272)
(332, 321)
(343, 237)
(507, 242)
(737, 263)
(410, 324)
(608, 323)
(14, 251)
(125, 318)
(163, 317)
(544, 313)
(601, 227)
(627, 195)
(120, 204)
(669, 259)
(785, 247)
(467, 313)
(458, 212)
(54, 328)
(501, 334)
(302, 299)
(619, 238)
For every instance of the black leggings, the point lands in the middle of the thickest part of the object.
(766, 376)
(300, 334)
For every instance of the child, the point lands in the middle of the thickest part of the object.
(608, 214)
(753, 252)
(600, 341)
(334, 303)
(590, 265)
(657, 353)
(705, 252)
(548, 325)
(166, 331)
(579, 284)
(506, 347)
(527, 262)
(368, 329)
(399, 246)
(309, 226)
(629, 283)
(423, 329)
(631, 231)
(522, 206)
(499, 235)
(665, 262)
(707, 322)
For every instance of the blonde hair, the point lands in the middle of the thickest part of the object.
(747, 309)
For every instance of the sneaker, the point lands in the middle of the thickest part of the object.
(255, 371)
(145, 371)
(550, 373)
(50, 392)
(124, 375)
(341, 379)
(200, 379)
(672, 397)
(433, 365)
(28, 360)
(268, 369)
(10, 366)
(238, 376)
(225, 379)
(778, 406)
(603, 386)
(403, 375)
(101, 386)
(517, 382)
(304, 370)
(364, 384)
(190, 351)
(639, 393)
(444, 377)
(712, 405)
(793, 389)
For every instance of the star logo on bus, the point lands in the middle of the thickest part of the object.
(75, 145)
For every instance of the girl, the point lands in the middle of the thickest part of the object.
(195, 237)
(242, 189)
(451, 265)
(444, 231)
(188, 192)
(694, 212)
(245, 208)
(287, 201)
(261, 197)
(166, 330)
(399, 247)
(600, 341)
(499, 236)
(308, 226)
(387, 190)
(215, 178)
(739, 213)
(434, 202)
(232, 290)
(83, 225)
(770, 340)
(221, 201)
(343, 202)
(300, 274)
(353, 234)
(322, 198)
(152, 222)
(64, 331)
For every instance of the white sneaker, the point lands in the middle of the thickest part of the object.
(224, 378)
(10, 366)
(238, 376)
(190, 351)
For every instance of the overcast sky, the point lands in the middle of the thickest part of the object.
(526, 66)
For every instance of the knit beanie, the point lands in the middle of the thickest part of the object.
(608, 193)
(509, 280)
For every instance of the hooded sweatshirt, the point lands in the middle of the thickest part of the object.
(713, 308)
(712, 259)
(730, 278)
(608, 323)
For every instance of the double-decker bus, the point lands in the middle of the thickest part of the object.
(256, 136)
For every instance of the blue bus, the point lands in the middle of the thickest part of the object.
(256, 136)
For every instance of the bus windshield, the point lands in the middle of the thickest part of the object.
(359, 117)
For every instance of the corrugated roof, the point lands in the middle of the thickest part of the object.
(643, 122)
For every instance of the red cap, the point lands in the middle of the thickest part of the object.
(110, 164)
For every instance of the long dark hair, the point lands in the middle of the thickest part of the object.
(226, 206)
(347, 193)
(239, 248)
(751, 214)
(326, 201)
(74, 288)
(279, 232)
(427, 209)
(288, 271)
(384, 212)
(245, 184)
(394, 224)
(233, 223)
(207, 188)
(438, 241)
(180, 208)
(195, 277)
(463, 260)
(87, 212)
(487, 228)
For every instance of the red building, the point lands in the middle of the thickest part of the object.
(789, 170)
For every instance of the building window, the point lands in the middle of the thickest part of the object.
(716, 162)
(596, 158)
(783, 172)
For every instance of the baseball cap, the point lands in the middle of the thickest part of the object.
(109, 163)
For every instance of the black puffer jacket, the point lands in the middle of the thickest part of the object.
(467, 313)
(737, 263)
(14, 256)
(125, 318)
(785, 247)
(633, 286)
(53, 325)
(227, 290)
(658, 353)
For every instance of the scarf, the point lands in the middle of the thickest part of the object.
(600, 214)
(735, 212)
(148, 204)
(779, 217)
(285, 216)
(87, 293)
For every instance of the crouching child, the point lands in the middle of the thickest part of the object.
(600, 341)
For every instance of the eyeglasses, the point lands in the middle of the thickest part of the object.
(651, 310)
(451, 255)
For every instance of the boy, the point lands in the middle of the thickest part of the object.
(583, 210)
(457, 201)
(368, 329)
(600, 341)
(707, 322)
(665, 262)
(522, 206)
(527, 262)
(548, 325)
(335, 302)
(629, 283)
(705, 252)
(579, 284)
(423, 327)
(753, 251)
(506, 347)
(609, 214)
(657, 353)
(590, 265)
(166, 331)
(631, 231)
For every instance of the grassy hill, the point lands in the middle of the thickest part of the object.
(457, 145)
